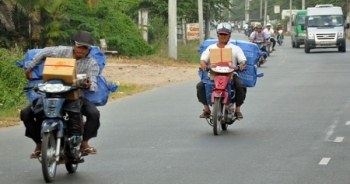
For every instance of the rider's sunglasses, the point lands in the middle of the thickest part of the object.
(82, 46)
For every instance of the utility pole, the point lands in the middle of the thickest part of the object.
(303, 4)
(172, 16)
(200, 18)
(247, 11)
(265, 13)
(290, 13)
(261, 9)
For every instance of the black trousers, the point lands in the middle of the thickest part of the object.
(240, 91)
(273, 42)
(32, 121)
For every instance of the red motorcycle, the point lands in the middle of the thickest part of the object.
(223, 109)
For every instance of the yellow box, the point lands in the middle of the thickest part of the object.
(60, 68)
(220, 55)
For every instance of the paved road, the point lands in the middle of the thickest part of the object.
(291, 120)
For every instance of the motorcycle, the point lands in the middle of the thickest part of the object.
(280, 37)
(269, 47)
(223, 109)
(262, 53)
(57, 148)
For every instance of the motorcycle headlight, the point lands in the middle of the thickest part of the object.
(311, 36)
(53, 88)
(341, 34)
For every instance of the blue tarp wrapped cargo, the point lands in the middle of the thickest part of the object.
(98, 98)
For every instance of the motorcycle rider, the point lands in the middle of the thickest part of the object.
(259, 35)
(279, 27)
(238, 57)
(271, 34)
(86, 64)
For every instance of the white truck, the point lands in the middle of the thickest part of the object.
(324, 27)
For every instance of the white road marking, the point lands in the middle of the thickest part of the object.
(324, 161)
(339, 139)
(347, 123)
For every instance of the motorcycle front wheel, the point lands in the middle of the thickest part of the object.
(217, 116)
(48, 160)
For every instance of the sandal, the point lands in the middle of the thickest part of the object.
(238, 115)
(90, 150)
(205, 114)
(35, 154)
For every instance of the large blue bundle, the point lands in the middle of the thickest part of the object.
(32, 95)
(209, 85)
(249, 75)
(251, 51)
(100, 97)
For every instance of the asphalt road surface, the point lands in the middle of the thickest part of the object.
(295, 131)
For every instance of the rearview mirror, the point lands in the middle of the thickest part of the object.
(293, 24)
(347, 26)
(302, 27)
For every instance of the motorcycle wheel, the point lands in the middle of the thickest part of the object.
(48, 158)
(71, 168)
(217, 116)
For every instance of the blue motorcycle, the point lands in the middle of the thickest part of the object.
(280, 37)
(57, 146)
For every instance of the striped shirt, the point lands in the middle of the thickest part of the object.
(87, 65)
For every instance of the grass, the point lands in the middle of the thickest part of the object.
(126, 89)
(9, 117)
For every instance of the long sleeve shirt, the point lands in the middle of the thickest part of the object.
(87, 65)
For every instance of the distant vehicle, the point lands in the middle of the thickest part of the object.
(324, 27)
(297, 34)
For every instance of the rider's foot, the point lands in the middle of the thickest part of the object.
(205, 114)
(238, 115)
(273, 49)
(37, 151)
(85, 148)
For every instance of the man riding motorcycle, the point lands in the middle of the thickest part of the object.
(279, 27)
(259, 36)
(270, 34)
(238, 57)
(86, 64)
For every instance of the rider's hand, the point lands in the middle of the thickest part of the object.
(242, 67)
(29, 73)
(204, 65)
(87, 83)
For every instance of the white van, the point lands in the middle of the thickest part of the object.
(324, 26)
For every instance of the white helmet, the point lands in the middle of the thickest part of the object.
(268, 24)
(223, 28)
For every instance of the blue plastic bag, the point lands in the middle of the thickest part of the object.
(250, 50)
(32, 95)
(100, 97)
(249, 75)
(210, 85)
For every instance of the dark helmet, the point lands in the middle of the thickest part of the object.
(83, 38)
(223, 28)
(258, 27)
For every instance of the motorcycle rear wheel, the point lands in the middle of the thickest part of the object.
(48, 160)
(71, 168)
(217, 116)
